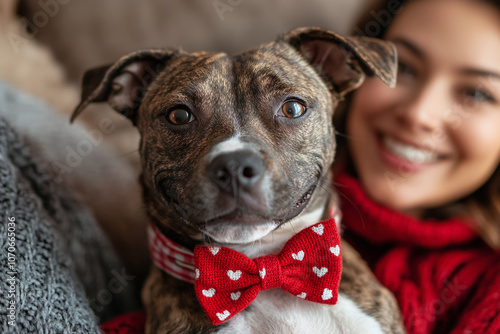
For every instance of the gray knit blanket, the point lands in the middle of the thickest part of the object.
(58, 273)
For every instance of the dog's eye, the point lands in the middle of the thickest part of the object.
(180, 116)
(293, 109)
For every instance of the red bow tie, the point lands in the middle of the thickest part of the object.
(309, 267)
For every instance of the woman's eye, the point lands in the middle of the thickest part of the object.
(293, 109)
(406, 70)
(180, 116)
(477, 95)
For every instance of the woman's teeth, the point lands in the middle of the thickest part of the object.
(408, 152)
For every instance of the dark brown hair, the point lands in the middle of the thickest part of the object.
(483, 205)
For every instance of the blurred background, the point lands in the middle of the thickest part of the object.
(85, 33)
(46, 45)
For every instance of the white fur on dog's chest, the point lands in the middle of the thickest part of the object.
(277, 312)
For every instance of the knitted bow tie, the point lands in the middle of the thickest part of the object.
(309, 267)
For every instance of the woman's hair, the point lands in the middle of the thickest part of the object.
(483, 205)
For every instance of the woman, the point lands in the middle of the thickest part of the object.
(419, 164)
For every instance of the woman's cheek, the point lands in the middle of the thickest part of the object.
(373, 96)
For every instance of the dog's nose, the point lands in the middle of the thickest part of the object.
(240, 170)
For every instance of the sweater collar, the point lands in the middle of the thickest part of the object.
(381, 225)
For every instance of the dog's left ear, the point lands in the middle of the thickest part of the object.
(346, 60)
(123, 83)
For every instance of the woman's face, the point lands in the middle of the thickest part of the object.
(436, 137)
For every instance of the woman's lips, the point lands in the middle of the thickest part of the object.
(403, 156)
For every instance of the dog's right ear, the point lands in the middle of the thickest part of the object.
(123, 83)
(345, 60)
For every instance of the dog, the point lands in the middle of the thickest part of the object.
(236, 153)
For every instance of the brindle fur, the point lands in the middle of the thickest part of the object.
(244, 89)
(358, 283)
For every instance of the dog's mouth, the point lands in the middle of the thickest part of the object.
(242, 215)
(301, 204)
(238, 216)
(241, 225)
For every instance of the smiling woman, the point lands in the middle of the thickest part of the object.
(437, 132)
(419, 164)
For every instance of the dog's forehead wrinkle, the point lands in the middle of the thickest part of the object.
(266, 83)
(269, 78)
(285, 60)
(195, 77)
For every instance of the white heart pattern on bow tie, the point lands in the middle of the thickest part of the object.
(299, 256)
(320, 272)
(303, 295)
(223, 316)
(327, 294)
(197, 273)
(208, 293)
(214, 250)
(235, 295)
(335, 250)
(262, 273)
(234, 275)
(318, 229)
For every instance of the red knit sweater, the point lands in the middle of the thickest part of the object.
(444, 278)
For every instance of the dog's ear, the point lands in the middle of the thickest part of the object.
(345, 60)
(123, 83)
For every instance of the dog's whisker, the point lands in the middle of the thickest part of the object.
(207, 240)
(341, 134)
(328, 187)
(293, 228)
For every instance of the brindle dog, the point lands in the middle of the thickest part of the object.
(268, 111)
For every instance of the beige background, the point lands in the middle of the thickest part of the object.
(84, 33)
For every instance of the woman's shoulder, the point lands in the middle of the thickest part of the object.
(482, 313)
(440, 289)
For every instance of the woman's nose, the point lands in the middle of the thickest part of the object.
(423, 107)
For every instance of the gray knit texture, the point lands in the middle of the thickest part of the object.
(62, 259)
